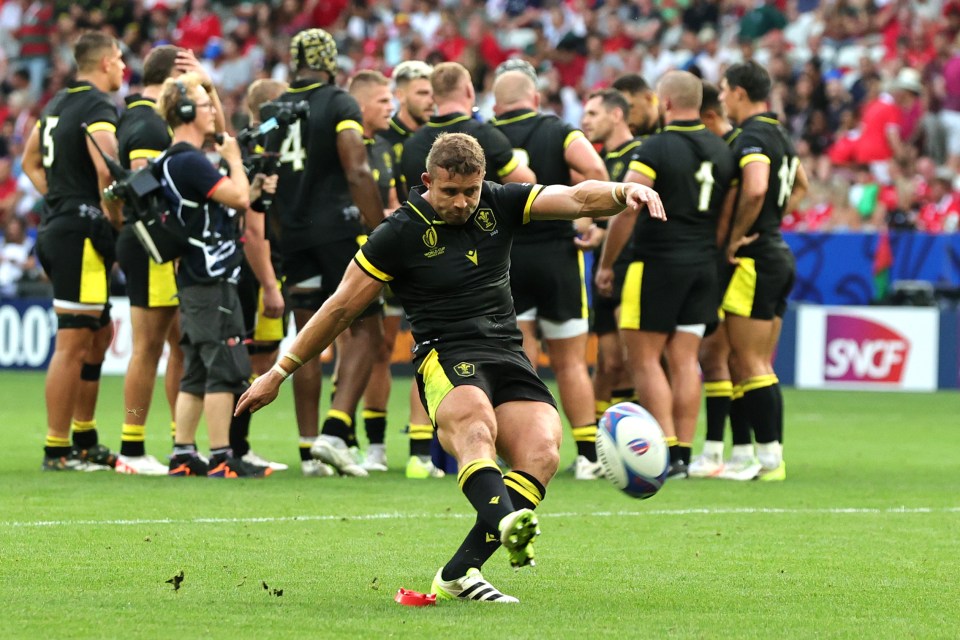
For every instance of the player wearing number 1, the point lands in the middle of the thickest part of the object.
(772, 180)
(671, 288)
(325, 195)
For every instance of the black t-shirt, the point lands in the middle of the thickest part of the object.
(496, 147)
(452, 281)
(141, 133)
(71, 175)
(539, 142)
(691, 169)
(313, 198)
(763, 139)
(188, 181)
(380, 156)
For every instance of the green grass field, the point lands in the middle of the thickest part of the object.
(860, 542)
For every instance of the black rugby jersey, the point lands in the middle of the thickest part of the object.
(313, 198)
(692, 169)
(539, 142)
(617, 162)
(141, 133)
(763, 139)
(396, 134)
(71, 175)
(452, 280)
(380, 156)
(496, 147)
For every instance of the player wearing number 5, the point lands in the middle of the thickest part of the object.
(670, 292)
(772, 181)
(76, 246)
(325, 196)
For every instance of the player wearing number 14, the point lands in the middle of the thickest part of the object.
(772, 181)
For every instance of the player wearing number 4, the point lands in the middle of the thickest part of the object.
(670, 292)
(771, 182)
(325, 191)
(446, 254)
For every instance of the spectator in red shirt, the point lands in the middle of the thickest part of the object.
(879, 140)
(197, 27)
(35, 35)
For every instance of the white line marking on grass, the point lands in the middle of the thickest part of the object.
(444, 516)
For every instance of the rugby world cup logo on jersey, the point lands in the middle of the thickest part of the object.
(430, 239)
(863, 350)
(485, 220)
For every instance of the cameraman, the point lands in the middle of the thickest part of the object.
(152, 288)
(207, 203)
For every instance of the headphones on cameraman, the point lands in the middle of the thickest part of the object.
(186, 108)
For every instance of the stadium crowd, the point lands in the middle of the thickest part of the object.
(870, 89)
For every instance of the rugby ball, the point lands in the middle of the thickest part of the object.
(632, 450)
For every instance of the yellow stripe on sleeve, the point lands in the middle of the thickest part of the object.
(140, 154)
(349, 124)
(507, 168)
(753, 157)
(573, 135)
(646, 170)
(537, 188)
(370, 269)
(101, 126)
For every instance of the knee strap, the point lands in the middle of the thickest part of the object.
(90, 372)
(268, 347)
(78, 321)
(105, 319)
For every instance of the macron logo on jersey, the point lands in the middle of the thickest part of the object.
(862, 350)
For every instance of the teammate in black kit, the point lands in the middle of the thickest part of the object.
(772, 181)
(76, 246)
(606, 121)
(671, 288)
(143, 135)
(414, 96)
(447, 254)
(325, 196)
(715, 347)
(546, 265)
(454, 97)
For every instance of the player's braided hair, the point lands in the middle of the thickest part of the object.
(314, 49)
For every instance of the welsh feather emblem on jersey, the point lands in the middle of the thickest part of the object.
(430, 237)
(465, 369)
(485, 220)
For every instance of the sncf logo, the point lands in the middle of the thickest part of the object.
(861, 350)
(639, 446)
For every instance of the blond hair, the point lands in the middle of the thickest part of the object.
(173, 92)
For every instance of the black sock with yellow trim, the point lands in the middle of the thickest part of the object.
(684, 449)
(760, 403)
(526, 492)
(132, 437)
(55, 447)
(625, 394)
(481, 482)
(84, 434)
(739, 420)
(240, 431)
(778, 411)
(421, 435)
(673, 447)
(718, 397)
(340, 424)
(585, 438)
(375, 424)
(305, 444)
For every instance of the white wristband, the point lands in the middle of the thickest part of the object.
(278, 369)
(613, 194)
